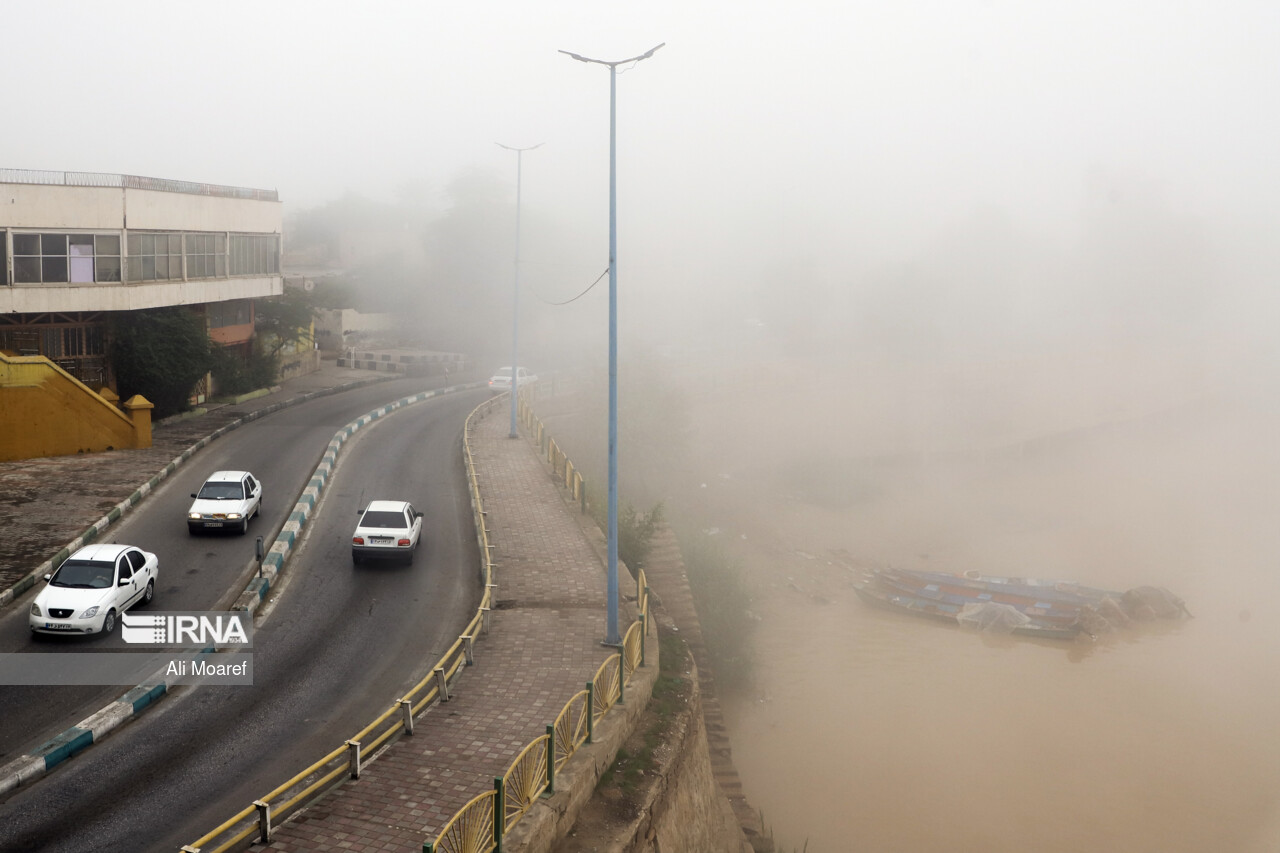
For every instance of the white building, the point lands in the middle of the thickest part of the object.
(76, 246)
(339, 329)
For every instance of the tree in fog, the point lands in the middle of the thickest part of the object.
(469, 252)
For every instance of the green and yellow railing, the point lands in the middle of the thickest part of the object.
(560, 462)
(480, 825)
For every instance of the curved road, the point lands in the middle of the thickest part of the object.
(334, 649)
(196, 573)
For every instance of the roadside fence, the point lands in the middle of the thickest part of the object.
(560, 463)
(480, 825)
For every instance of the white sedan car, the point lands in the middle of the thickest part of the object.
(387, 529)
(226, 501)
(92, 588)
(501, 381)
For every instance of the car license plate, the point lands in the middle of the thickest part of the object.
(380, 540)
(213, 524)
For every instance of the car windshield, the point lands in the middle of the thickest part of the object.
(503, 373)
(221, 492)
(384, 519)
(84, 574)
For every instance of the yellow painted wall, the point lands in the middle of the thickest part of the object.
(44, 411)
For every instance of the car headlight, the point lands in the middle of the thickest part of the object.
(233, 515)
(90, 613)
(194, 516)
(35, 609)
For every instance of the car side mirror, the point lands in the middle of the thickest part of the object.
(48, 578)
(123, 582)
(193, 494)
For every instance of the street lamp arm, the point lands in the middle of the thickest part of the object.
(648, 53)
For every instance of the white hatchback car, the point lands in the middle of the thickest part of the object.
(387, 529)
(227, 500)
(501, 381)
(92, 588)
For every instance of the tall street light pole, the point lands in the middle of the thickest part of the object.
(612, 637)
(515, 294)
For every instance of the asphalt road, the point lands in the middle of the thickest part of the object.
(337, 645)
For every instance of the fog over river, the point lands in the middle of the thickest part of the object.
(866, 730)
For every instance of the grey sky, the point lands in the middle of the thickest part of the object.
(849, 133)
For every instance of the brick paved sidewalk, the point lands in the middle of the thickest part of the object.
(543, 646)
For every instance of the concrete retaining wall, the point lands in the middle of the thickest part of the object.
(683, 808)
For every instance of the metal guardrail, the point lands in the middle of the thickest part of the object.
(560, 463)
(480, 825)
(136, 182)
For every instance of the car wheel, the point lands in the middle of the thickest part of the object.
(149, 593)
(355, 558)
(244, 526)
(109, 623)
(409, 558)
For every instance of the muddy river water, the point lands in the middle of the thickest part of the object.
(864, 730)
(870, 731)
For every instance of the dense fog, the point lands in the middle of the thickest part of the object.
(966, 285)
(924, 177)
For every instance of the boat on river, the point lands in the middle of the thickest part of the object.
(1051, 609)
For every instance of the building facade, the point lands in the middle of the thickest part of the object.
(77, 246)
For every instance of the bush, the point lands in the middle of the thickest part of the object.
(635, 530)
(635, 534)
(160, 354)
(234, 375)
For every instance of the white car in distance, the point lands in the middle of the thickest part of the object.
(387, 529)
(89, 591)
(501, 381)
(227, 500)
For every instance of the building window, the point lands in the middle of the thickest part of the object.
(106, 249)
(4, 257)
(237, 312)
(62, 258)
(255, 254)
(206, 256)
(155, 257)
